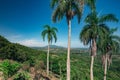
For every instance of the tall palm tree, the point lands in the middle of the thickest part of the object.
(94, 28)
(67, 8)
(50, 33)
(109, 45)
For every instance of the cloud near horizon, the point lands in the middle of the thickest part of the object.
(31, 43)
(34, 42)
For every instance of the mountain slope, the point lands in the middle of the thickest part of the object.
(3, 42)
(15, 51)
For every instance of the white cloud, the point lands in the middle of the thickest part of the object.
(14, 38)
(31, 43)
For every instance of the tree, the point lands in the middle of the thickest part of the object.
(95, 27)
(108, 46)
(50, 32)
(67, 8)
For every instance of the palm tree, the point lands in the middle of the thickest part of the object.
(94, 28)
(69, 9)
(109, 45)
(50, 32)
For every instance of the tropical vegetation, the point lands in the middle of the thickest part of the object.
(79, 65)
(109, 46)
(94, 29)
(18, 62)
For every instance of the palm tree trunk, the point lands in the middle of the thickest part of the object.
(105, 68)
(93, 54)
(48, 59)
(68, 54)
(91, 68)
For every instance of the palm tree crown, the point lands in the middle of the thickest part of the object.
(68, 8)
(50, 33)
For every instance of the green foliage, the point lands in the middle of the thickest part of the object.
(22, 76)
(16, 52)
(80, 67)
(65, 8)
(9, 68)
(9, 51)
(50, 32)
(95, 26)
(111, 42)
(58, 64)
(32, 61)
(91, 4)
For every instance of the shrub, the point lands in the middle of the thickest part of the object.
(22, 76)
(10, 67)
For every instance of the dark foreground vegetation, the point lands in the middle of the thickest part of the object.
(18, 62)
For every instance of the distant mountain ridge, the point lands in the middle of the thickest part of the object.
(51, 46)
(54, 46)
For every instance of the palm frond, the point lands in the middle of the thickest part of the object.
(108, 17)
(112, 30)
(91, 18)
(54, 36)
(54, 29)
(85, 34)
(103, 30)
(91, 4)
(58, 14)
(116, 38)
(44, 33)
(53, 3)
(77, 11)
(47, 27)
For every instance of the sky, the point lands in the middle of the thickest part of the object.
(22, 21)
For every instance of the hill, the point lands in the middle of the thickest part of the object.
(15, 51)
(16, 59)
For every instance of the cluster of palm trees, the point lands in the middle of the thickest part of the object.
(95, 33)
(98, 35)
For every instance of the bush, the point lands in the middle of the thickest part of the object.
(10, 67)
(22, 76)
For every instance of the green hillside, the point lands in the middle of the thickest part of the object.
(31, 63)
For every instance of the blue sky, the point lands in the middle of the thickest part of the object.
(22, 21)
